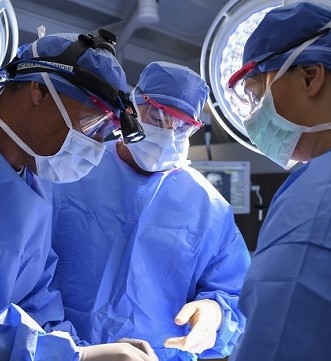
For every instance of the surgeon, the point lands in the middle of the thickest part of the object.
(286, 295)
(55, 95)
(153, 242)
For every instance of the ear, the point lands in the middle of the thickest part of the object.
(37, 95)
(314, 78)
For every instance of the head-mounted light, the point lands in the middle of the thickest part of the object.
(65, 65)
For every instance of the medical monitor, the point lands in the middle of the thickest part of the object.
(231, 179)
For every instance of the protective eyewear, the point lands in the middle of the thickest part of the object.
(97, 120)
(248, 92)
(166, 117)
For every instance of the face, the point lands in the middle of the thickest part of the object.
(44, 130)
(50, 127)
(294, 101)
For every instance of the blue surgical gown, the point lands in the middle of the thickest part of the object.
(287, 293)
(27, 265)
(134, 249)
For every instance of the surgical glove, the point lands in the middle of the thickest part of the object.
(141, 345)
(204, 318)
(120, 351)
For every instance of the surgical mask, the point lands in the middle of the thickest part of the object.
(275, 136)
(160, 150)
(77, 156)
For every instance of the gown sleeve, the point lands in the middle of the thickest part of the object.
(222, 281)
(21, 338)
(29, 308)
(33, 328)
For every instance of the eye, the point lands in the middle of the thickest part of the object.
(254, 87)
(155, 117)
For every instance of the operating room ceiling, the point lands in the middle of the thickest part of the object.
(177, 36)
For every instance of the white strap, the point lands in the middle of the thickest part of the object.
(53, 91)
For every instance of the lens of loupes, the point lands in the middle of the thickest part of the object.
(97, 120)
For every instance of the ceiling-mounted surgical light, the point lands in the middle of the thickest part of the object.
(221, 56)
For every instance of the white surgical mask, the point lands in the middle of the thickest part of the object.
(77, 156)
(160, 150)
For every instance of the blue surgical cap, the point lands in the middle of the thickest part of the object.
(173, 85)
(99, 61)
(287, 25)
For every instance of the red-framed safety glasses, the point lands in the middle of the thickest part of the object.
(174, 112)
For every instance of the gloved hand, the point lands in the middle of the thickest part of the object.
(204, 317)
(141, 345)
(118, 351)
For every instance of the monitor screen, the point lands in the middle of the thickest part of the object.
(231, 179)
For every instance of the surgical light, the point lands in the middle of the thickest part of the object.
(221, 56)
(8, 32)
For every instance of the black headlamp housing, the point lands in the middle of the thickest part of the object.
(84, 78)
